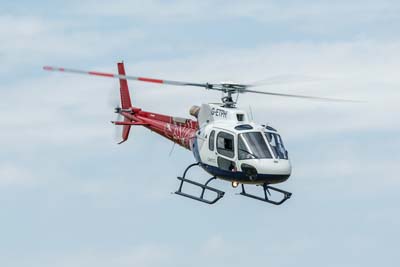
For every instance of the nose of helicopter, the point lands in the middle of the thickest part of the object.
(281, 167)
(269, 167)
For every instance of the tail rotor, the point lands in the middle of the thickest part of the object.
(117, 128)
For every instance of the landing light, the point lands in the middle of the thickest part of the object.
(235, 184)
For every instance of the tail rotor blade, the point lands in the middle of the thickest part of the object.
(113, 98)
(118, 129)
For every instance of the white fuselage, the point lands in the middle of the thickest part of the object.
(231, 146)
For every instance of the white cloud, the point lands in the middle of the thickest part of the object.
(146, 255)
(268, 11)
(53, 125)
(214, 246)
(12, 174)
(33, 41)
(70, 108)
(360, 70)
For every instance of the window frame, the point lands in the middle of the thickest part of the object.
(278, 140)
(211, 141)
(244, 141)
(230, 153)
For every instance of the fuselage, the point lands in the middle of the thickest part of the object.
(232, 147)
(225, 142)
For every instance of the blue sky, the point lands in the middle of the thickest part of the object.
(69, 196)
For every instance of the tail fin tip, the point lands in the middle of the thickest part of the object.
(124, 89)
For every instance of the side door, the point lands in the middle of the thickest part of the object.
(225, 150)
(209, 150)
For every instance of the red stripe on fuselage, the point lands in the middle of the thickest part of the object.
(150, 80)
(101, 74)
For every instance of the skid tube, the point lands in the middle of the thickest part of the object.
(204, 187)
(267, 189)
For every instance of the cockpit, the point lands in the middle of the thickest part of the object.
(248, 149)
(226, 149)
(252, 145)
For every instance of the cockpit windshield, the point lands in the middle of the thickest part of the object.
(277, 146)
(252, 146)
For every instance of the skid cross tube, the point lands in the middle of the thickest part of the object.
(267, 189)
(203, 187)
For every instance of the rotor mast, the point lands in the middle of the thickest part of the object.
(228, 89)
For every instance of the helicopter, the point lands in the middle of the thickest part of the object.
(225, 142)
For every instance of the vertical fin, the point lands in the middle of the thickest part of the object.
(125, 100)
(125, 131)
(124, 90)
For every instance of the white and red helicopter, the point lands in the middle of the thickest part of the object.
(225, 142)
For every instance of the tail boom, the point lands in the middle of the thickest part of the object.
(179, 130)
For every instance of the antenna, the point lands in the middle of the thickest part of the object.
(251, 113)
(172, 150)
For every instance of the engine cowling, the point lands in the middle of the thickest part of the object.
(194, 111)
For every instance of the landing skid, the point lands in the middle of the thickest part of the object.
(219, 194)
(267, 189)
(204, 187)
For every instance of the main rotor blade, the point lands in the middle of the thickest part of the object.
(302, 96)
(284, 79)
(235, 88)
(126, 77)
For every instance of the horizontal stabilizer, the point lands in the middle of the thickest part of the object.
(129, 123)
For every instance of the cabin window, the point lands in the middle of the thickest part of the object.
(225, 145)
(211, 141)
(277, 146)
(244, 127)
(252, 145)
(240, 117)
